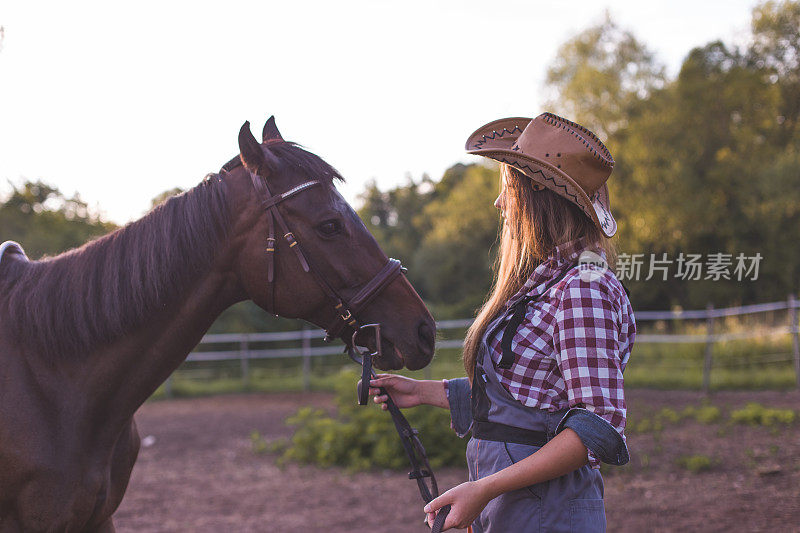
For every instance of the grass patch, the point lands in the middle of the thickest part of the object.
(705, 414)
(755, 414)
(655, 422)
(258, 444)
(696, 463)
(738, 365)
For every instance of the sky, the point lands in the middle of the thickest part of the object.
(122, 101)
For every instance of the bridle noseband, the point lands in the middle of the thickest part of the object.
(347, 316)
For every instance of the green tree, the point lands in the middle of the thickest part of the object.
(444, 231)
(457, 252)
(164, 196)
(705, 162)
(46, 222)
(393, 216)
(775, 50)
(598, 77)
(689, 166)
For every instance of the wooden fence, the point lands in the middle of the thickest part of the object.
(246, 353)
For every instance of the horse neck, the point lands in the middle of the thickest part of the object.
(127, 372)
(131, 369)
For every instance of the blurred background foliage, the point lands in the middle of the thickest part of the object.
(45, 221)
(707, 161)
(361, 439)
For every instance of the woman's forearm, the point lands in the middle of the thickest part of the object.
(563, 454)
(432, 393)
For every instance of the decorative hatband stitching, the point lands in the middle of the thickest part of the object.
(517, 164)
(495, 134)
(605, 223)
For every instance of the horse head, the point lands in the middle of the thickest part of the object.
(304, 252)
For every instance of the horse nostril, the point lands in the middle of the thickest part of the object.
(426, 335)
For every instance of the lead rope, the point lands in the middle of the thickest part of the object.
(409, 436)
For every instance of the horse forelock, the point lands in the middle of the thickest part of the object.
(307, 163)
(283, 154)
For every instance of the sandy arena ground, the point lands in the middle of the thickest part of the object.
(200, 474)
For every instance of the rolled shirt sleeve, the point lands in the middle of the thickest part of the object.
(588, 355)
(459, 396)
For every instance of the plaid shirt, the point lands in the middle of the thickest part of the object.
(574, 342)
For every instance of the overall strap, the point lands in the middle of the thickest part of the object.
(520, 308)
(626, 289)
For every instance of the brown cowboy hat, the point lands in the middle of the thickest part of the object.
(563, 156)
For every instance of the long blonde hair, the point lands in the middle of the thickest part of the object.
(535, 222)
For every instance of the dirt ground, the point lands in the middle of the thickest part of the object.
(199, 473)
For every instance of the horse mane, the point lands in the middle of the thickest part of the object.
(92, 295)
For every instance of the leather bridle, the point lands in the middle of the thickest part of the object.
(347, 316)
(347, 309)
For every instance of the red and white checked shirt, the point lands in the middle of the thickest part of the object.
(574, 342)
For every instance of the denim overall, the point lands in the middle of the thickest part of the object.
(570, 503)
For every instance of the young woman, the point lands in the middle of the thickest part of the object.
(544, 358)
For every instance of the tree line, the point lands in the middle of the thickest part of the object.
(707, 164)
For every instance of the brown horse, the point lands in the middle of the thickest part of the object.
(87, 336)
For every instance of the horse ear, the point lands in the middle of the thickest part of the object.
(250, 150)
(270, 131)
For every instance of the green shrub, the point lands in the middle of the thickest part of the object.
(643, 426)
(706, 414)
(756, 414)
(695, 463)
(258, 443)
(670, 415)
(364, 437)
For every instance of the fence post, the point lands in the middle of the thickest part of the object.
(795, 330)
(709, 348)
(244, 358)
(306, 357)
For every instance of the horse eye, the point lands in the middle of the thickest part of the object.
(330, 228)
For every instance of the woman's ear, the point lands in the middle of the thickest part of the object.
(250, 151)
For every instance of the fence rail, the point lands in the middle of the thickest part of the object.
(245, 352)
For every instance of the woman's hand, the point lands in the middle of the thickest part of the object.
(406, 392)
(466, 500)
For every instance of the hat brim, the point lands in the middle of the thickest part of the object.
(497, 135)
(497, 140)
(597, 208)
